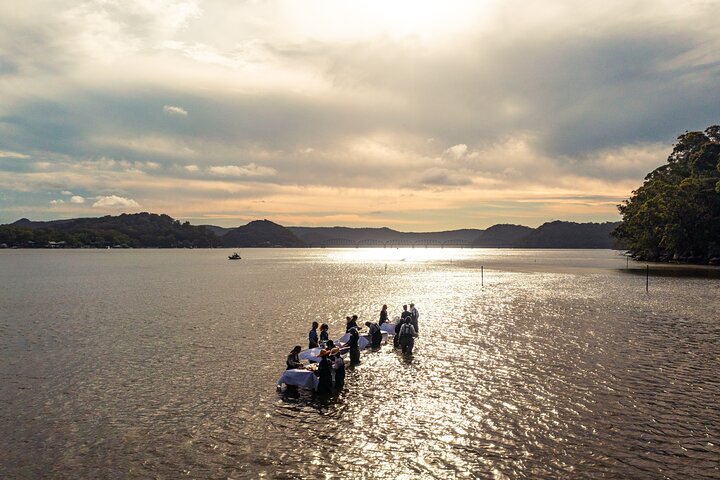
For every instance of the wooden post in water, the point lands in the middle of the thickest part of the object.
(482, 276)
(627, 263)
(647, 278)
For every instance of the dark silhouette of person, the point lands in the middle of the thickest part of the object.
(313, 336)
(293, 360)
(383, 315)
(324, 370)
(354, 347)
(407, 337)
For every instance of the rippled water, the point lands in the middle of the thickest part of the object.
(163, 363)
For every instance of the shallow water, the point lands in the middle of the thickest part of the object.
(163, 363)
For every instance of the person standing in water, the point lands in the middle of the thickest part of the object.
(375, 335)
(414, 315)
(405, 314)
(293, 360)
(339, 368)
(383, 315)
(313, 336)
(351, 323)
(324, 336)
(407, 337)
(354, 347)
(324, 373)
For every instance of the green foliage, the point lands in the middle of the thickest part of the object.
(126, 230)
(675, 214)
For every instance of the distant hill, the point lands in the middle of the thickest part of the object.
(25, 223)
(338, 236)
(152, 230)
(218, 231)
(559, 234)
(261, 233)
(502, 236)
(126, 230)
(555, 234)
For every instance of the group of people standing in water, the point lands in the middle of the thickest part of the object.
(331, 361)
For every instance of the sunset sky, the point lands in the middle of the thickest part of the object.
(415, 115)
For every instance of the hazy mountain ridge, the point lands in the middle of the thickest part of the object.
(339, 235)
(503, 235)
(560, 234)
(152, 230)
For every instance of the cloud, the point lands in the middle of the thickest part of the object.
(77, 199)
(110, 30)
(66, 192)
(173, 110)
(9, 154)
(249, 170)
(520, 100)
(456, 152)
(57, 202)
(114, 201)
(443, 177)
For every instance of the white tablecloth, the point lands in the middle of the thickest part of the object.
(299, 377)
(362, 341)
(310, 355)
(389, 328)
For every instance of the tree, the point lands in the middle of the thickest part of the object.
(675, 214)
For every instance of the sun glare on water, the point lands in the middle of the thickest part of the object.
(392, 255)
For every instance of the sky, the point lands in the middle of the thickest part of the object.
(415, 115)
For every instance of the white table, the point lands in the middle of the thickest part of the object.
(388, 328)
(299, 377)
(310, 355)
(364, 341)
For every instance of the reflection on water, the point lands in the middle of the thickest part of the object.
(145, 364)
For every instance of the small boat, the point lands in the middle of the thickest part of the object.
(234, 256)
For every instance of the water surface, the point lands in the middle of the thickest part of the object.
(542, 364)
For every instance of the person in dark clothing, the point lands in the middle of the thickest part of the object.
(383, 315)
(354, 347)
(351, 323)
(313, 336)
(407, 336)
(396, 338)
(324, 371)
(338, 365)
(293, 360)
(339, 368)
(405, 314)
(375, 335)
(324, 334)
(414, 315)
